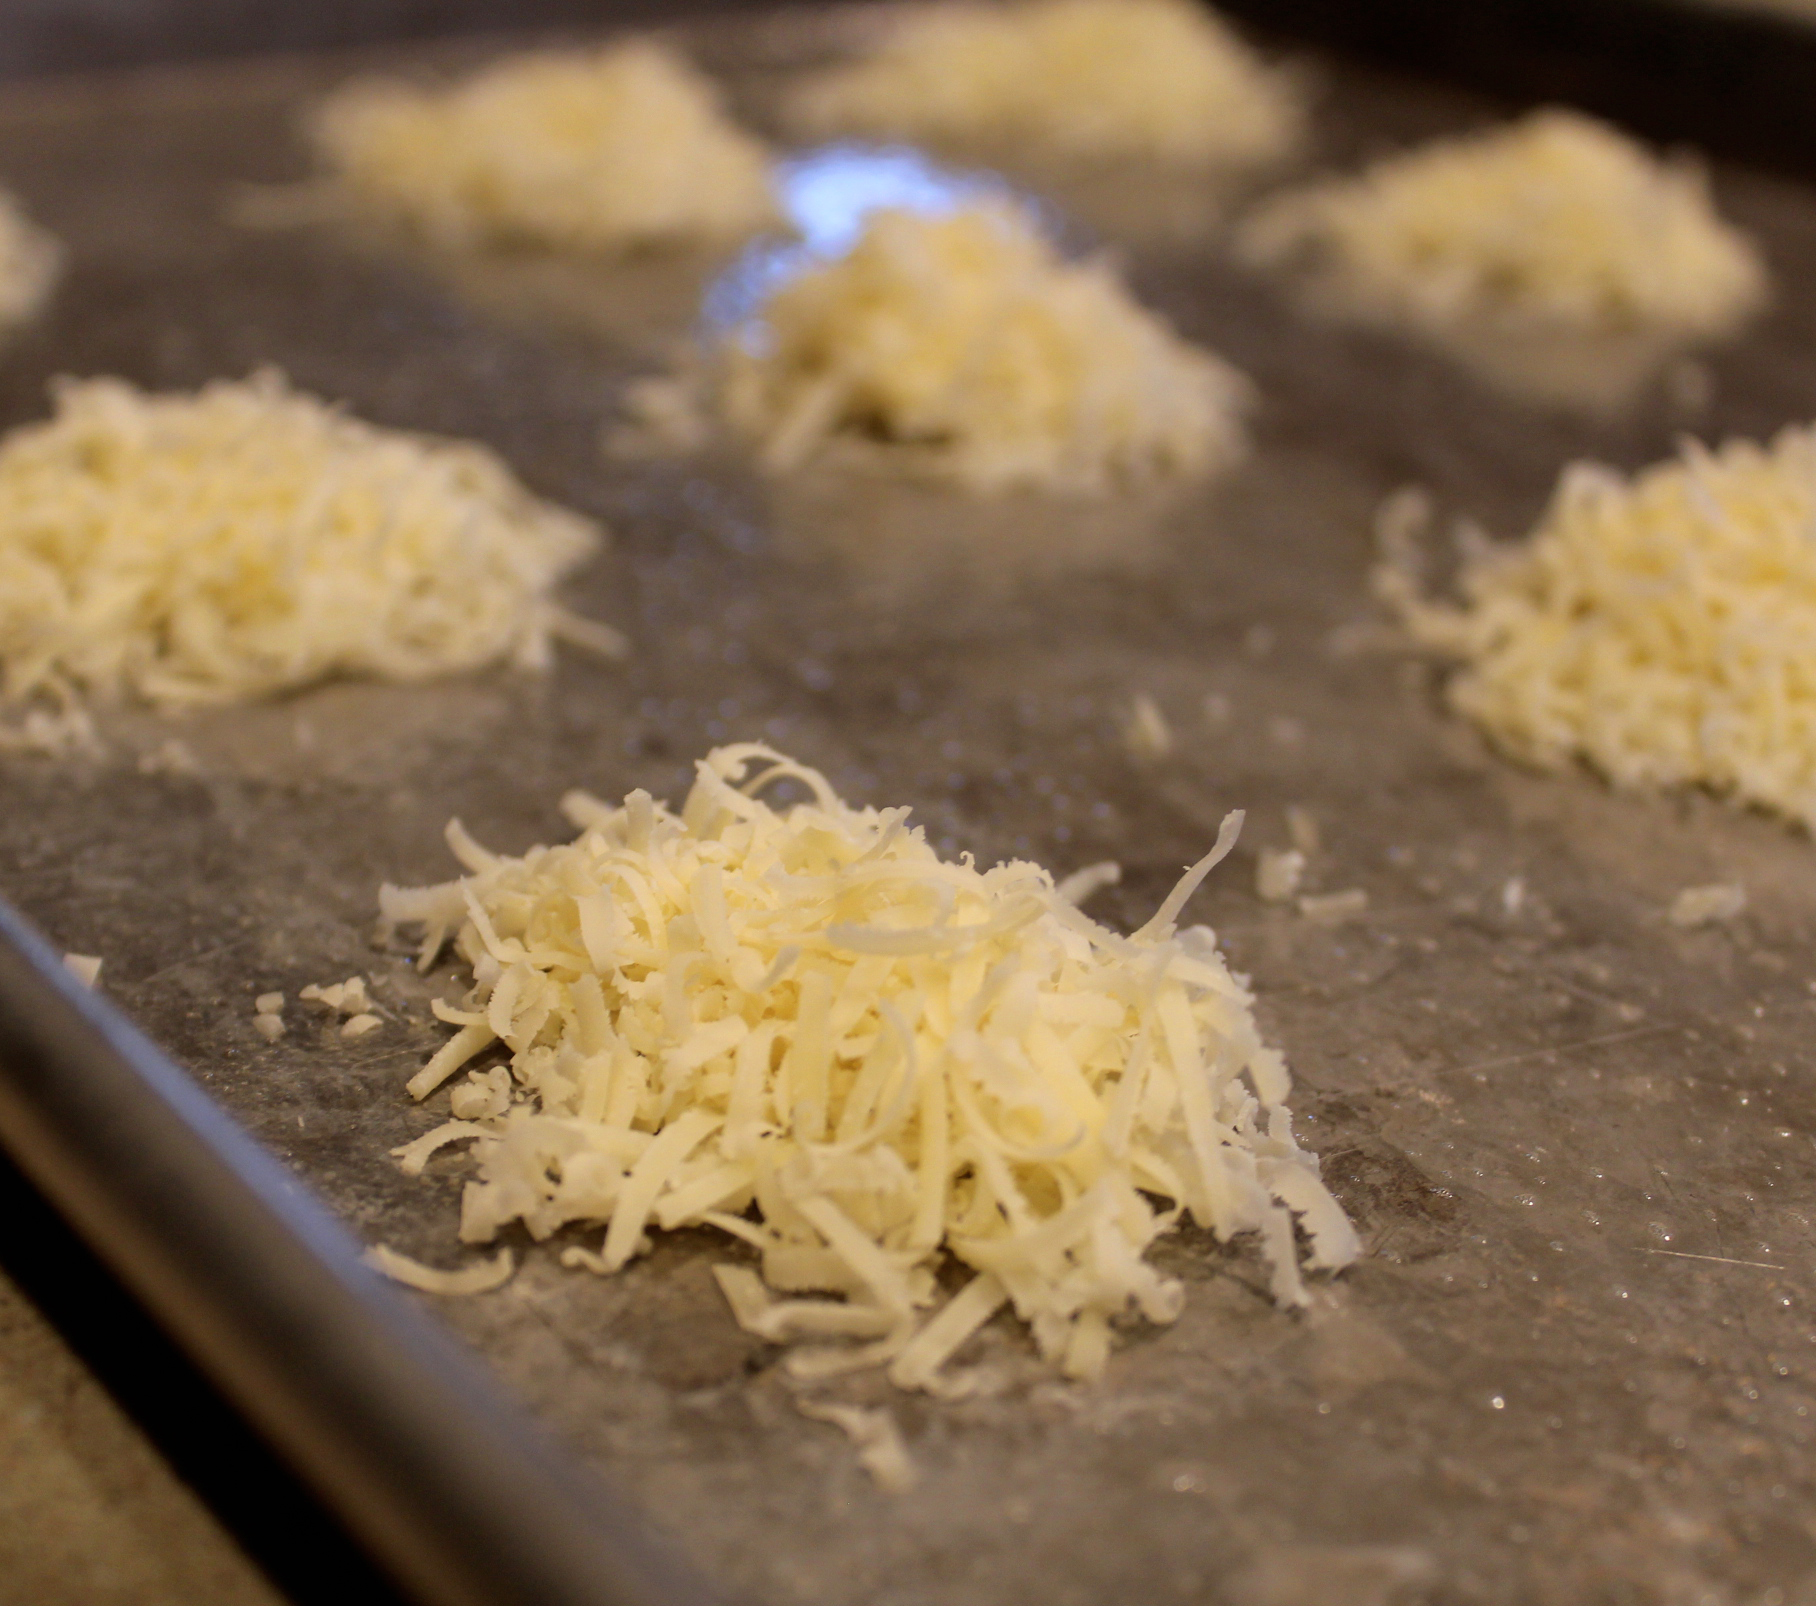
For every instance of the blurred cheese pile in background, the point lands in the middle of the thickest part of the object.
(600, 152)
(1553, 223)
(202, 548)
(29, 260)
(800, 1026)
(1156, 79)
(965, 347)
(1663, 627)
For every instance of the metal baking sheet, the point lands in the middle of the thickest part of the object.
(1574, 1364)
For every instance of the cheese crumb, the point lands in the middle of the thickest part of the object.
(962, 346)
(479, 1278)
(1146, 732)
(1553, 222)
(359, 1025)
(269, 1003)
(881, 1451)
(269, 1026)
(1152, 79)
(343, 997)
(30, 260)
(1278, 874)
(1658, 627)
(599, 151)
(1302, 827)
(1702, 906)
(248, 539)
(84, 967)
(803, 1028)
(1333, 908)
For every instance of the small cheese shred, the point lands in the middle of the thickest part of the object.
(1702, 906)
(30, 260)
(347, 997)
(1658, 627)
(248, 539)
(881, 1451)
(965, 347)
(1154, 79)
(1145, 732)
(84, 967)
(479, 1278)
(1553, 222)
(1278, 873)
(597, 151)
(1333, 908)
(800, 1026)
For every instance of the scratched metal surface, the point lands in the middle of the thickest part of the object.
(1574, 1365)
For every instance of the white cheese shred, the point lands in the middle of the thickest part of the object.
(1160, 80)
(1556, 222)
(1657, 626)
(872, 1430)
(1702, 906)
(802, 1027)
(962, 346)
(30, 260)
(598, 151)
(86, 968)
(248, 539)
(479, 1278)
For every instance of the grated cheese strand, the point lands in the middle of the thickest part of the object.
(30, 260)
(1555, 221)
(971, 351)
(248, 539)
(1658, 627)
(800, 1026)
(587, 151)
(1152, 79)
(479, 1278)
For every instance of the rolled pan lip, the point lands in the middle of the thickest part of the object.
(400, 1431)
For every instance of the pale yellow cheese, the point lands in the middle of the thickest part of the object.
(1159, 79)
(1556, 222)
(1660, 627)
(248, 539)
(800, 1026)
(964, 346)
(29, 263)
(591, 151)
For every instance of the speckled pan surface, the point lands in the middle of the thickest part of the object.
(1575, 1365)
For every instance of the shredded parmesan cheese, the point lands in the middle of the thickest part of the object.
(1658, 627)
(479, 1278)
(1702, 906)
(1278, 874)
(1555, 222)
(248, 539)
(881, 1451)
(965, 347)
(1145, 732)
(803, 1028)
(1156, 79)
(30, 260)
(600, 151)
(1333, 908)
(84, 967)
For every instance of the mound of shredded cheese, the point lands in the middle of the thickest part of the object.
(1659, 627)
(1554, 222)
(29, 261)
(802, 1027)
(1161, 79)
(964, 346)
(616, 148)
(246, 539)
